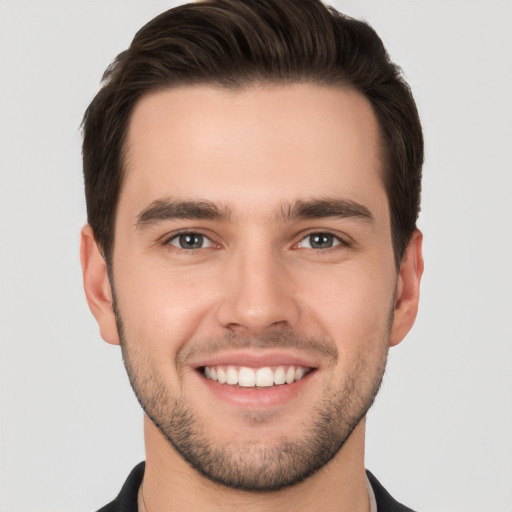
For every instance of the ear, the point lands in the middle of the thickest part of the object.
(97, 286)
(408, 289)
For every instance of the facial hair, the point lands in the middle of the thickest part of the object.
(256, 466)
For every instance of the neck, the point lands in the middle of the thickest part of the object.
(171, 484)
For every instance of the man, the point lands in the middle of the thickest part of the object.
(252, 174)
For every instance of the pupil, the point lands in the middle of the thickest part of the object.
(321, 241)
(191, 241)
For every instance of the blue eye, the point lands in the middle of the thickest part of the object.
(190, 241)
(319, 241)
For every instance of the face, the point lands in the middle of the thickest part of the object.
(255, 286)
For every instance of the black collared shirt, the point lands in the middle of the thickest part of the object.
(127, 498)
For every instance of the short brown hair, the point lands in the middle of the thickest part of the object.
(238, 43)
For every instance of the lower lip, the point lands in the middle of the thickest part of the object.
(257, 398)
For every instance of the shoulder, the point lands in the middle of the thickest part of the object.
(126, 500)
(385, 502)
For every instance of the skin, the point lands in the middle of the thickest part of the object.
(254, 152)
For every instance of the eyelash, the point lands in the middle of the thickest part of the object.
(176, 236)
(337, 241)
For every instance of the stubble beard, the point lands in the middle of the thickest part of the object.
(253, 467)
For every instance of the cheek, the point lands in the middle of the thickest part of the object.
(160, 306)
(353, 309)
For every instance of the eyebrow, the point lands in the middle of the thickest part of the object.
(324, 208)
(163, 210)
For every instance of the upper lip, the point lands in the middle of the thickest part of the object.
(256, 359)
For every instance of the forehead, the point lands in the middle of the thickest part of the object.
(253, 149)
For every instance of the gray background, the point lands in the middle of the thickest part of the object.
(439, 436)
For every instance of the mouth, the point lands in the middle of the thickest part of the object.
(255, 380)
(260, 377)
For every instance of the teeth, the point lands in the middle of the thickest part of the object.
(246, 378)
(279, 376)
(221, 376)
(251, 377)
(231, 376)
(299, 373)
(264, 377)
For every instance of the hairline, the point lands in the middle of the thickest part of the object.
(256, 84)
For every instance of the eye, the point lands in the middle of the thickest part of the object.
(190, 241)
(319, 241)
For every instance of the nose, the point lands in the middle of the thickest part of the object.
(258, 293)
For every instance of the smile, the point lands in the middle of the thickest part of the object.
(263, 377)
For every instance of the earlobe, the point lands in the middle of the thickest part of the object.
(408, 289)
(97, 286)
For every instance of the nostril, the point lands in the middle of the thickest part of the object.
(256, 329)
